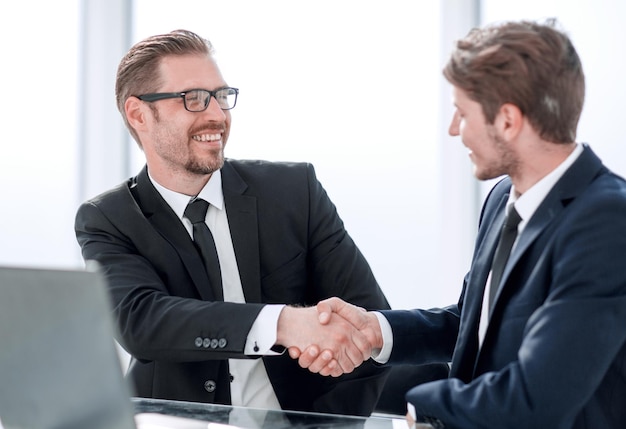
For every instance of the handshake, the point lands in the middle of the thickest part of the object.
(332, 338)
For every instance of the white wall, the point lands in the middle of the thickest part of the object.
(403, 188)
(351, 86)
(38, 152)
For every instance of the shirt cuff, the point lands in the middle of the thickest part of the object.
(262, 336)
(411, 410)
(382, 355)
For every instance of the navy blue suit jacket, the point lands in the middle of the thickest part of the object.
(554, 354)
(291, 247)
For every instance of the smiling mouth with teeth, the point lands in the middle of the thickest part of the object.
(207, 137)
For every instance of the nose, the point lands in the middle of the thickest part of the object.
(453, 129)
(214, 109)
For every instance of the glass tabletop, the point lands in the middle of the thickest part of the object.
(254, 418)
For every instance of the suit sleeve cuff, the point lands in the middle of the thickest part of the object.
(435, 423)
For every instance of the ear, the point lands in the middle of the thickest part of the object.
(509, 121)
(136, 112)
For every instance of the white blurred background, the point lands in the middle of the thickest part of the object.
(353, 86)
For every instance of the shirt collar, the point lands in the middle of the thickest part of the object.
(527, 204)
(212, 192)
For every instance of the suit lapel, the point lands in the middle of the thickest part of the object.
(243, 223)
(165, 221)
(484, 259)
(465, 355)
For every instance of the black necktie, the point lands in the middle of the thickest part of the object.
(507, 238)
(203, 239)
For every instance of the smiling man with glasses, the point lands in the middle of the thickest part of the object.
(214, 265)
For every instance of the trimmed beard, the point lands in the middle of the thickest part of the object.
(194, 166)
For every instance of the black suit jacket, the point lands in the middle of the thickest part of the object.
(554, 353)
(291, 247)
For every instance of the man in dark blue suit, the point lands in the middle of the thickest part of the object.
(549, 348)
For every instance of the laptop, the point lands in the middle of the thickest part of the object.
(59, 366)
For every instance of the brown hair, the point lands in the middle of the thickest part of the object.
(533, 66)
(138, 72)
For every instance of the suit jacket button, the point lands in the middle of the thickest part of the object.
(206, 343)
(198, 342)
(214, 343)
(222, 343)
(210, 386)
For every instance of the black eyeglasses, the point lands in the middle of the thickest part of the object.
(197, 100)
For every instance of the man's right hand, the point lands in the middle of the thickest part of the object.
(344, 346)
(319, 359)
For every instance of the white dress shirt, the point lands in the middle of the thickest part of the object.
(250, 385)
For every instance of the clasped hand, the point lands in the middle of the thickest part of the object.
(339, 338)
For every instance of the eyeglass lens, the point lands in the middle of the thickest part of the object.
(199, 99)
